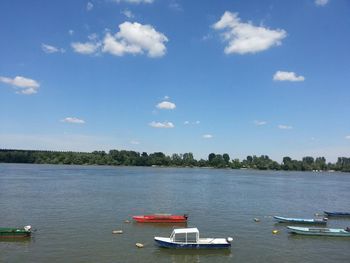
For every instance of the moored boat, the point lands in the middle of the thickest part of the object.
(344, 214)
(8, 232)
(318, 231)
(161, 218)
(282, 219)
(189, 238)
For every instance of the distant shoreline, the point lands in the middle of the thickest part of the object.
(159, 159)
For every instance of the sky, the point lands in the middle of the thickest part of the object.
(226, 76)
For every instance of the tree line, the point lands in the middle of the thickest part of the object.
(132, 158)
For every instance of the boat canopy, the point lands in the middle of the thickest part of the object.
(185, 230)
(185, 235)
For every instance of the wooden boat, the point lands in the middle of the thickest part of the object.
(344, 214)
(189, 238)
(7, 232)
(161, 218)
(316, 231)
(301, 220)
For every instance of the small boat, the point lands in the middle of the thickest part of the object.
(317, 231)
(189, 238)
(7, 232)
(161, 218)
(301, 220)
(344, 214)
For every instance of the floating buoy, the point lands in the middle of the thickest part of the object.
(275, 232)
(139, 245)
(127, 221)
(256, 219)
(117, 232)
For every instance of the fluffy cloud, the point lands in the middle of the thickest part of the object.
(166, 105)
(245, 38)
(132, 38)
(207, 136)
(194, 122)
(135, 38)
(287, 76)
(321, 2)
(347, 137)
(51, 49)
(86, 48)
(128, 13)
(135, 1)
(260, 123)
(89, 6)
(165, 124)
(73, 120)
(23, 85)
(284, 127)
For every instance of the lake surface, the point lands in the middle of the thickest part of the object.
(75, 209)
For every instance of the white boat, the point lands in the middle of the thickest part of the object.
(189, 238)
(320, 231)
(282, 219)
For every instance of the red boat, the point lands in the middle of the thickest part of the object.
(161, 218)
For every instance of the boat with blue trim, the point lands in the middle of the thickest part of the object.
(343, 214)
(189, 238)
(282, 219)
(318, 231)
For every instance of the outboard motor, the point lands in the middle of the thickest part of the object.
(27, 228)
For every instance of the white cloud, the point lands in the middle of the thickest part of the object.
(73, 120)
(165, 124)
(166, 105)
(207, 136)
(23, 85)
(51, 49)
(135, 1)
(260, 123)
(175, 6)
(93, 37)
(128, 13)
(287, 76)
(245, 38)
(89, 6)
(71, 32)
(135, 38)
(321, 2)
(86, 48)
(347, 137)
(134, 142)
(193, 123)
(166, 97)
(284, 127)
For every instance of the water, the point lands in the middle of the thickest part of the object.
(75, 209)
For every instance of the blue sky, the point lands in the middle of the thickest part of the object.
(239, 77)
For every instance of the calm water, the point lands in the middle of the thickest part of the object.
(75, 209)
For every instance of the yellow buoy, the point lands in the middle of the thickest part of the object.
(139, 245)
(275, 231)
